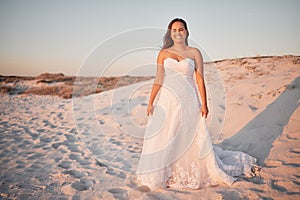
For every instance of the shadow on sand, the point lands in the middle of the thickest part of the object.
(256, 137)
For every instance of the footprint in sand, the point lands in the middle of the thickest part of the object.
(65, 164)
(75, 173)
(101, 121)
(119, 193)
(252, 108)
(295, 150)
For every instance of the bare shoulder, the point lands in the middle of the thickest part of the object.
(161, 55)
(197, 56)
(195, 52)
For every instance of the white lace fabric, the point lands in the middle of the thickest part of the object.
(177, 150)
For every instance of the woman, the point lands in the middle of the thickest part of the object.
(177, 149)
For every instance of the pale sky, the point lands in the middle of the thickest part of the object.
(39, 36)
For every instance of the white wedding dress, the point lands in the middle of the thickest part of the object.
(177, 150)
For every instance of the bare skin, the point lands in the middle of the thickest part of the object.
(179, 51)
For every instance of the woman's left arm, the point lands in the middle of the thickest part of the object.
(200, 81)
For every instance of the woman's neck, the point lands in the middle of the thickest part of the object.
(179, 46)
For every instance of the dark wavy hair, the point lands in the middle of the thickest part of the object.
(168, 42)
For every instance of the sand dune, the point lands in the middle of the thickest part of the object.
(61, 85)
(88, 147)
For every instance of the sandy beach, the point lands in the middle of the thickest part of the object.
(57, 147)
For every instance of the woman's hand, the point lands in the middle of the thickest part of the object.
(204, 111)
(150, 110)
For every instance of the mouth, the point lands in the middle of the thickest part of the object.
(178, 37)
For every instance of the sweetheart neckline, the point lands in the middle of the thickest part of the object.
(179, 60)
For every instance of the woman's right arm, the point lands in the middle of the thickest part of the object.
(157, 82)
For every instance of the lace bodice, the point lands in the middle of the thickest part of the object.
(184, 67)
(177, 150)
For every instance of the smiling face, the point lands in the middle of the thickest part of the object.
(178, 32)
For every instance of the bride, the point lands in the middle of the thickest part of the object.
(177, 150)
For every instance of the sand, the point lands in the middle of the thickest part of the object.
(88, 147)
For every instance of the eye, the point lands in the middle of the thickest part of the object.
(181, 29)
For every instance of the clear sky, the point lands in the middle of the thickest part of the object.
(38, 36)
